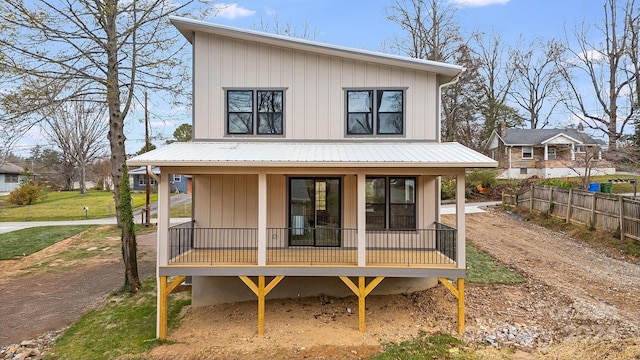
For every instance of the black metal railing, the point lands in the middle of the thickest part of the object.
(311, 246)
(213, 245)
(446, 241)
(411, 247)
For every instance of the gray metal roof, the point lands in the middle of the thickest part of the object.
(318, 154)
(188, 27)
(533, 137)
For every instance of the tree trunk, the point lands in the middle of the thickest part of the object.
(121, 190)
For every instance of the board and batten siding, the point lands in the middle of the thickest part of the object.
(236, 201)
(314, 83)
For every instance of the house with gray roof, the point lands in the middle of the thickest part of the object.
(547, 153)
(10, 176)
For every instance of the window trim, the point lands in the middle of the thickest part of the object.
(530, 157)
(255, 113)
(388, 203)
(375, 113)
(176, 178)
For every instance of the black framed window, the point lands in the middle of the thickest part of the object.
(376, 111)
(251, 112)
(391, 203)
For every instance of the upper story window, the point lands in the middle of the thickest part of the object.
(375, 112)
(527, 152)
(255, 112)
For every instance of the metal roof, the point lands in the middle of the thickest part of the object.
(188, 27)
(316, 154)
(540, 136)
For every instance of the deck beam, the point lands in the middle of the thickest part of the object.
(459, 294)
(361, 291)
(261, 290)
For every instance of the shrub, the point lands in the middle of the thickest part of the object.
(29, 191)
(561, 183)
(27, 194)
(447, 188)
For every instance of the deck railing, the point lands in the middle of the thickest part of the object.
(311, 246)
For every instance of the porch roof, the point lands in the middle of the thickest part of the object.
(318, 154)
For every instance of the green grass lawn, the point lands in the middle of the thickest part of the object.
(483, 269)
(126, 325)
(25, 242)
(68, 205)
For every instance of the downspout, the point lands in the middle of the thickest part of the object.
(152, 174)
(439, 136)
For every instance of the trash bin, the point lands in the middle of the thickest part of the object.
(605, 187)
(595, 187)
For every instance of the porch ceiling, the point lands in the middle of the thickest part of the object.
(317, 154)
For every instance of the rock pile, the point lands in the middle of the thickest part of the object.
(34, 349)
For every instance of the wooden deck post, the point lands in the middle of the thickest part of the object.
(459, 294)
(460, 305)
(162, 308)
(163, 294)
(261, 292)
(361, 291)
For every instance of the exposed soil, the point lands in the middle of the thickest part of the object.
(577, 303)
(40, 295)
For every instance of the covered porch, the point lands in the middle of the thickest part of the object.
(264, 211)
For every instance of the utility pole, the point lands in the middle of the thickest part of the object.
(146, 149)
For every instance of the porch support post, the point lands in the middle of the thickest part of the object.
(262, 219)
(161, 328)
(162, 253)
(362, 219)
(361, 291)
(261, 292)
(459, 294)
(546, 152)
(460, 226)
(573, 152)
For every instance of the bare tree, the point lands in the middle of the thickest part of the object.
(536, 88)
(288, 29)
(611, 67)
(79, 130)
(497, 79)
(431, 32)
(101, 51)
(430, 26)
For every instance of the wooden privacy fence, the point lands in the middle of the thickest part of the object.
(599, 210)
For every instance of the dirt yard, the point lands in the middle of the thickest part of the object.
(577, 304)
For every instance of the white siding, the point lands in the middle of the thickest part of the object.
(314, 97)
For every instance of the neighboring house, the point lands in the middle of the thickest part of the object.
(314, 165)
(10, 176)
(547, 153)
(179, 183)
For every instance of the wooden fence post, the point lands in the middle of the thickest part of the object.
(531, 197)
(621, 199)
(593, 210)
(550, 209)
(569, 201)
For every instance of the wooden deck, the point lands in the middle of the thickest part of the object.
(321, 257)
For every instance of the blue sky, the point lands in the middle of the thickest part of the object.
(363, 24)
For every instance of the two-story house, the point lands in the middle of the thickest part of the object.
(547, 153)
(315, 169)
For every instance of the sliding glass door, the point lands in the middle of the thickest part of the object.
(314, 211)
